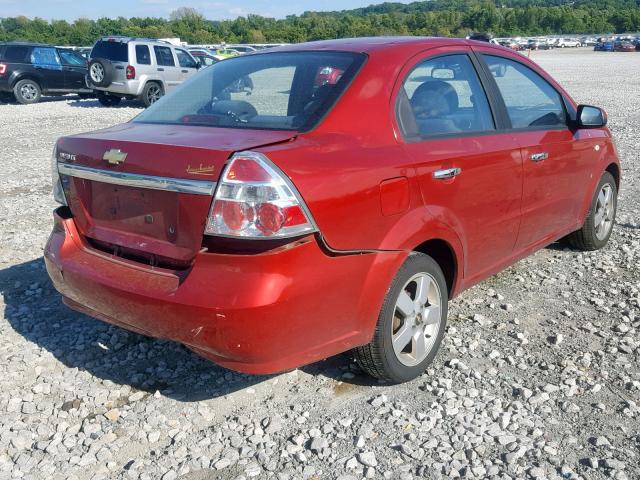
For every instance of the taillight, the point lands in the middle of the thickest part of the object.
(131, 72)
(254, 199)
(3, 68)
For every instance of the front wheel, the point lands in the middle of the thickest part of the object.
(598, 225)
(411, 323)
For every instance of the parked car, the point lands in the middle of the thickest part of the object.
(242, 48)
(568, 42)
(603, 46)
(30, 70)
(223, 53)
(137, 68)
(624, 47)
(271, 230)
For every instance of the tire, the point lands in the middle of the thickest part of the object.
(151, 93)
(27, 91)
(598, 225)
(379, 358)
(101, 72)
(109, 100)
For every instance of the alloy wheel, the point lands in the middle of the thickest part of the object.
(416, 319)
(97, 73)
(605, 211)
(28, 91)
(153, 94)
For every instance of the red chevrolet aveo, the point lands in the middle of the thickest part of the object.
(273, 225)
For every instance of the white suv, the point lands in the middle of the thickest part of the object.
(127, 67)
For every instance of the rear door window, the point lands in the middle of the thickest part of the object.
(114, 51)
(71, 58)
(164, 56)
(443, 96)
(45, 57)
(143, 56)
(530, 100)
(16, 53)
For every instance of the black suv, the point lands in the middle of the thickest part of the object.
(30, 70)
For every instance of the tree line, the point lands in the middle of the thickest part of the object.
(433, 17)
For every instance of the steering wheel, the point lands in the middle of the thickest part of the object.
(239, 110)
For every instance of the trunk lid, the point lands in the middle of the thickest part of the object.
(131, 208)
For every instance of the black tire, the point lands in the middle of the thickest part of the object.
(587, 238)
(108, 100)
(101, 72)
(27, 91)
(378, 358)
(151, 93)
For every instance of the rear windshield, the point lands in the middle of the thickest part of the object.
(114, 51)
(280, 91)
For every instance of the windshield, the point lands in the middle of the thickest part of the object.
(282, 91)
(114, 51)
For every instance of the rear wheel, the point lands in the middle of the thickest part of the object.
(151, 93)
(598, 225)
(27, 92)
(108, 100)
(411, 323)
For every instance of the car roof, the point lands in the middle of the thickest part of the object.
(27, 44)
(371, 44)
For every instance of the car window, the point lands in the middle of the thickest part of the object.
(45, 57)
(69, 57)
(16, 53)
(530, 100)
(267, 91)
(185, 60)
(111, 50)
(443, 96)
(164, 56)
(143, 56)
(206, 60)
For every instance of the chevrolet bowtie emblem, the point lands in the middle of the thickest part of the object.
(114, 156)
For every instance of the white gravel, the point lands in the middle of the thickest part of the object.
(538, 377)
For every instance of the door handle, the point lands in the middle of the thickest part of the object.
(185, 71)
(447, 173)
(161, 69)
(538, 157)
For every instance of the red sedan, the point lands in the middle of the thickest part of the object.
(273, 226)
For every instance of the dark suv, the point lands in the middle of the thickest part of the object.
(30, 70)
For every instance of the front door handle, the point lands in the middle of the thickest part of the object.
(161, 69)
(447, 173)
(185, 71)
(538, 157)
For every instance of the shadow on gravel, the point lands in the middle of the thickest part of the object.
(93, 103)
(34, 310)
(7, 99)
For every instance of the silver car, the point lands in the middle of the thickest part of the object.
(128, 67)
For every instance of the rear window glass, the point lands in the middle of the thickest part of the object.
(282, 91)
(16, 53)
(114, 51)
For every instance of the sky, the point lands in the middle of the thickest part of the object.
(214, 10)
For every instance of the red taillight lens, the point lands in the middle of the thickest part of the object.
(254, 199)
(3, 68)
(131, 72)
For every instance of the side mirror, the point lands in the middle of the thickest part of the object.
(590, 117)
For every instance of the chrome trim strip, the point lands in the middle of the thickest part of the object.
(179, 185)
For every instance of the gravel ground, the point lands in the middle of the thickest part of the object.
(538, 376)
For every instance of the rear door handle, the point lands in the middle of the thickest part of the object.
(538, 157)
(185, 71)
(161, 69)
(447, 173)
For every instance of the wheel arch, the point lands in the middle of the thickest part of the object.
(26, 76)
(614, 169)
(445, 256)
